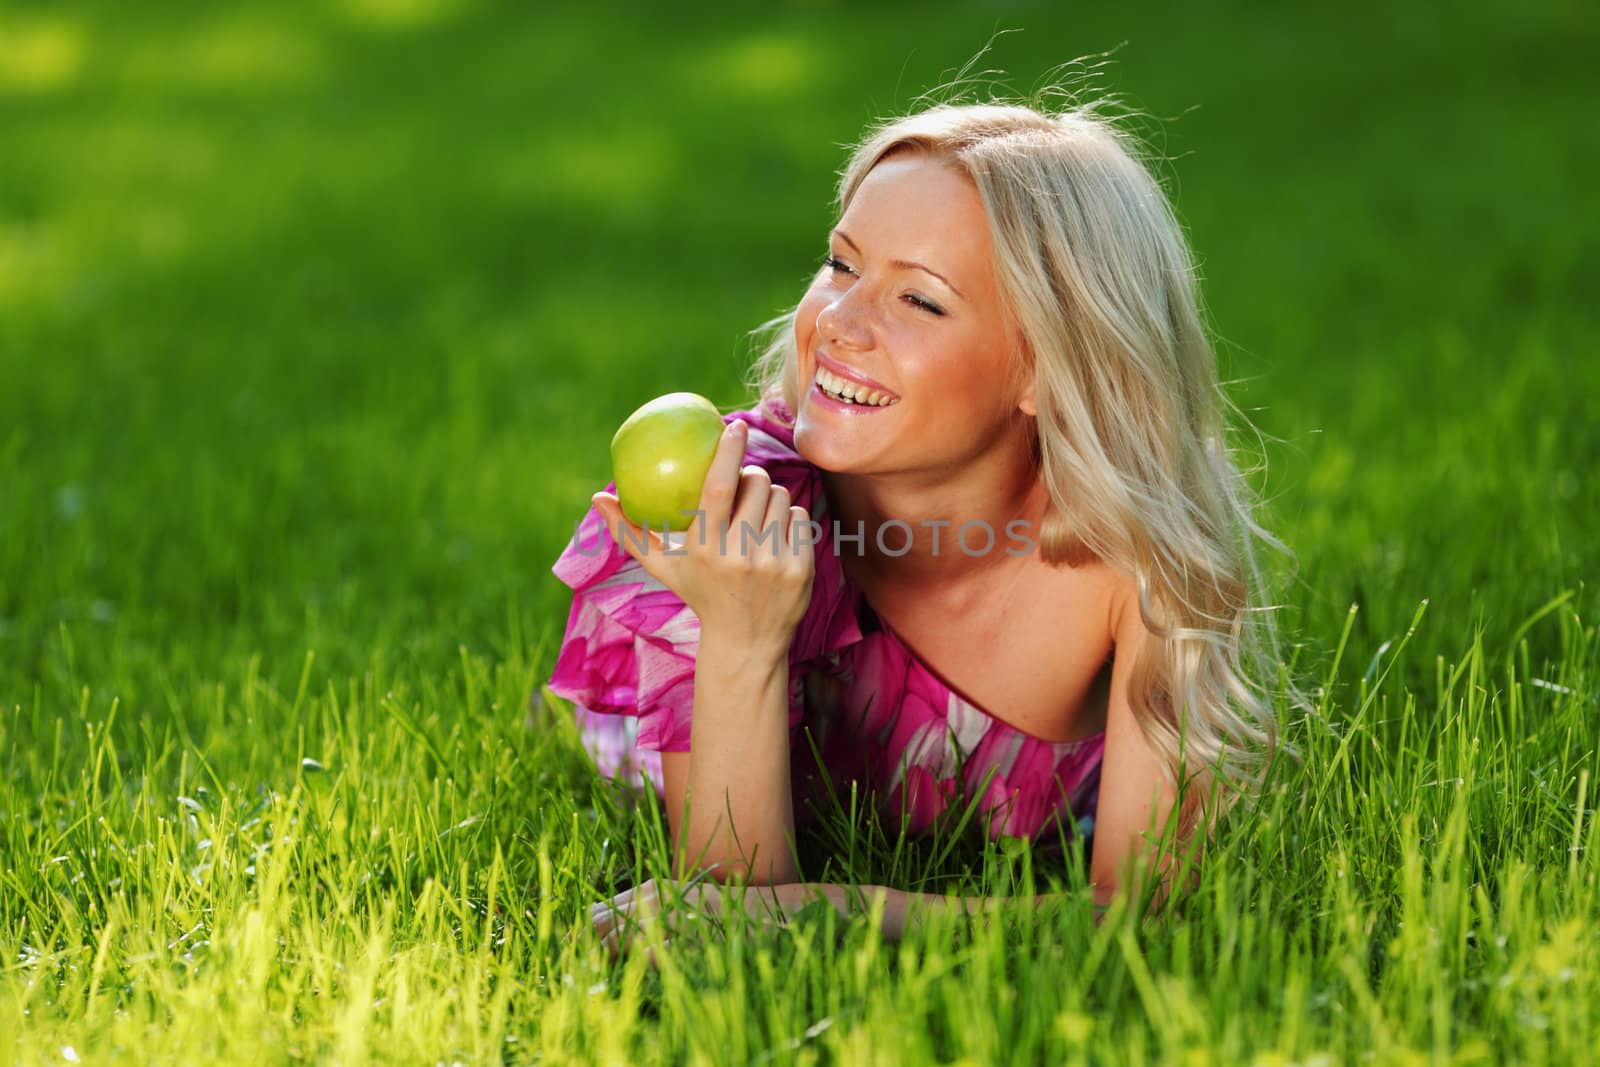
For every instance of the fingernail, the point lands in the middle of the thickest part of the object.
(738, 428)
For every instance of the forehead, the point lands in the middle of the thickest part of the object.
(916, 205)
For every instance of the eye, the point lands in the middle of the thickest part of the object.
(836, 265)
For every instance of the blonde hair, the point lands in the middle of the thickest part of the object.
(1103, 293)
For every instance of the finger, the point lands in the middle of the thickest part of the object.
(610, 509)
(627, 910)
(721, 486)
(629, 936)
(634, 540)
(777, 516)
(801, 536)
(618, 910)
(620, 942)
(611, 514)
(755, 489)
(616, 900)
(620, 931)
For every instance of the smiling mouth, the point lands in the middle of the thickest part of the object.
(848, 392)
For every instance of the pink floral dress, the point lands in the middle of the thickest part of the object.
(858, 697)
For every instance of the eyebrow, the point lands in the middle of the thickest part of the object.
(903, 264)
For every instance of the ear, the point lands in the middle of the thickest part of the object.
(1025, 400)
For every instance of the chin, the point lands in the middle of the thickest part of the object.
(810, 443)
(817, 446)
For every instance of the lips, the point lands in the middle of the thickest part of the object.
(818, 397)
(848, 391)
(852, 375)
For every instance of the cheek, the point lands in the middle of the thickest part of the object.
(805, 317)
(964, 378)
(805, 329)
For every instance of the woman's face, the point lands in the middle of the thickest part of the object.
(908, 304)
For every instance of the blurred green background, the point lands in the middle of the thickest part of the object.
(315, 320)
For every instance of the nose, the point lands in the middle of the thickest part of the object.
(841, 322)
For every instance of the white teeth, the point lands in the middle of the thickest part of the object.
(848, 391)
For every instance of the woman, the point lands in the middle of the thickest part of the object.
(1011, 553)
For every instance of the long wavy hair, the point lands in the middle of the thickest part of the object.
(1129, 438)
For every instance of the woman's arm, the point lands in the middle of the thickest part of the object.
(666, 909)
(748, 590)
(904, 911)
(739, 819)
(1136, 797)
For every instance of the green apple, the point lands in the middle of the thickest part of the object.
(660, 456)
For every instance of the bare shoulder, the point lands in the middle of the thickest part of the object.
(1099, 605)
(1122, 602)
(1095, 593)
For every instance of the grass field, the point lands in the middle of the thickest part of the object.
(315, 321)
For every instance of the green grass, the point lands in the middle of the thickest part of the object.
(314, 324)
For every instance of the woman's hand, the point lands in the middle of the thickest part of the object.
(746, 565)
(658, 911)
(667, 909)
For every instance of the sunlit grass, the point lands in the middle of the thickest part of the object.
(308, 362)
(399, 870)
